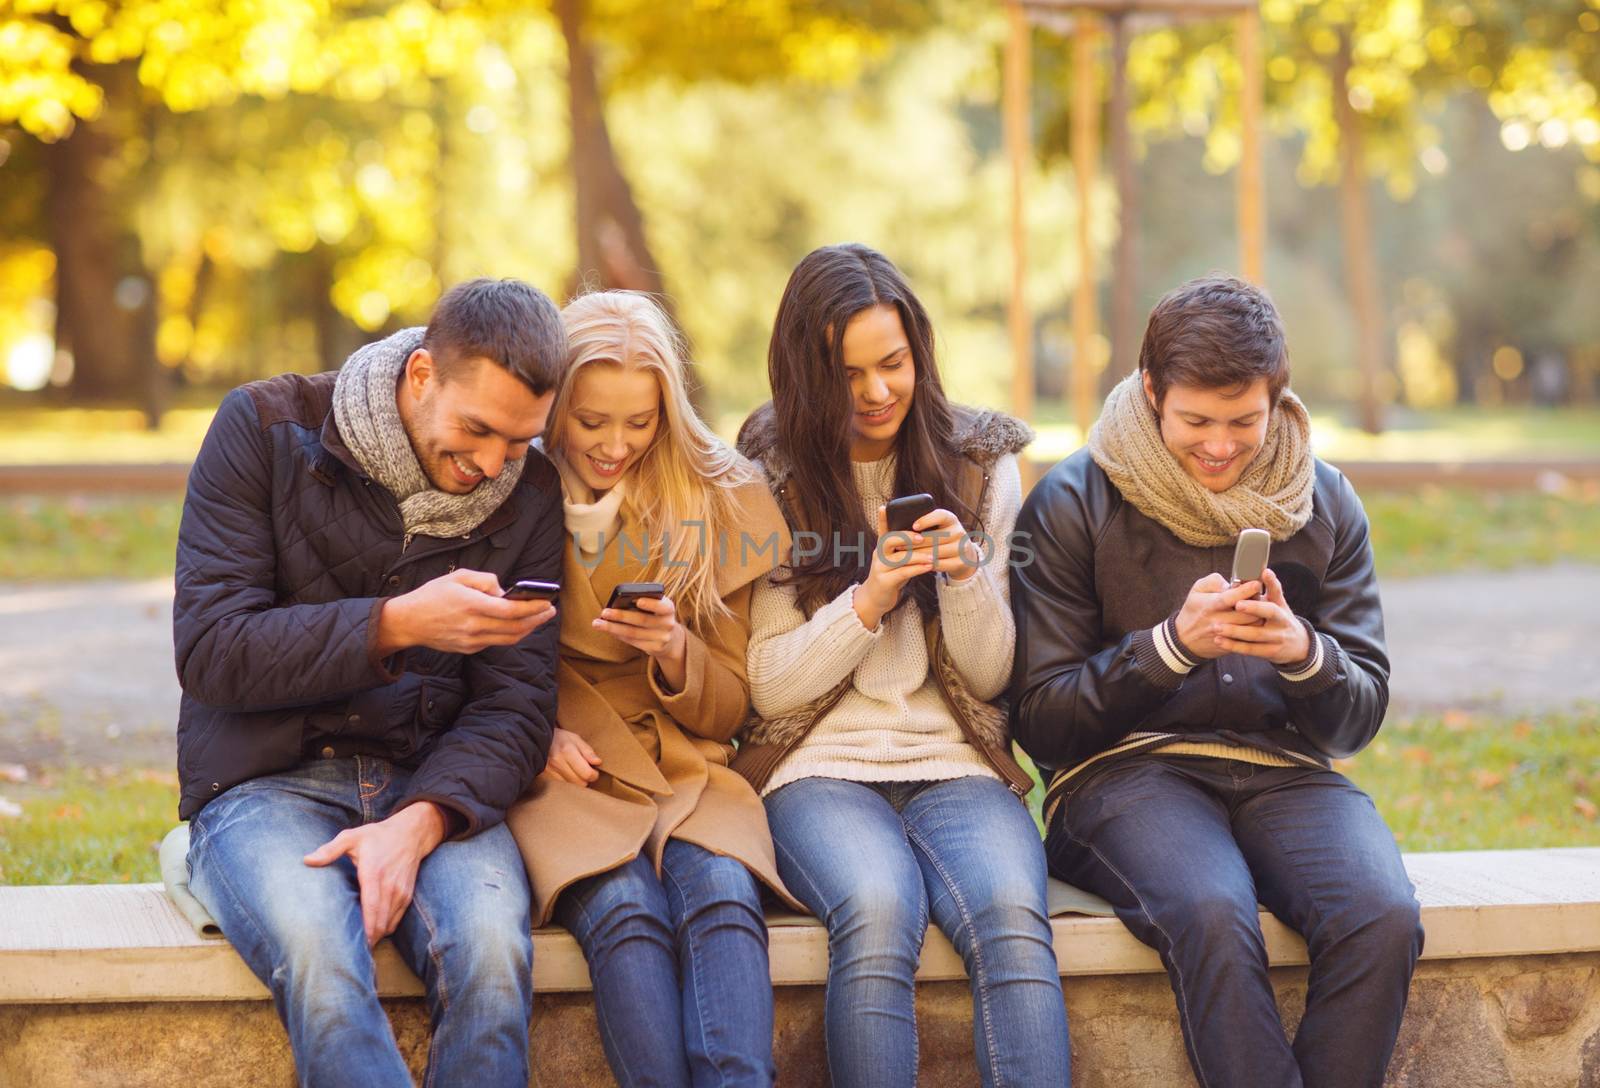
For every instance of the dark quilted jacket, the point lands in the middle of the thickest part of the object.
(285, 555)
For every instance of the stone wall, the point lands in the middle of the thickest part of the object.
(1510, 1022)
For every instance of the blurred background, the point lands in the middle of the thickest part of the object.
(193, 195)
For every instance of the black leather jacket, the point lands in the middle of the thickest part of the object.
(1087, 669)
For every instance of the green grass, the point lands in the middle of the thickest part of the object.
(74, 538)
(1451, 781)
(1461, 781)
(1428, 531)
(87, 826)
(1433, 530)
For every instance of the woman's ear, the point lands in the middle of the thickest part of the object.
(1150, 392)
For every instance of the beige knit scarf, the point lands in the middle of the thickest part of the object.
(1274, 493)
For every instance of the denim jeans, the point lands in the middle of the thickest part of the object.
(466, 933)
(875, 861)
(682, 991)
(1184, 847)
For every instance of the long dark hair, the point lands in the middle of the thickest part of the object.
(813, 406)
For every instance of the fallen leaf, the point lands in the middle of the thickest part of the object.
(1589, 809)
(1487, 780)
(1522, 730)
(68, 812)
(1526, 820)
(1457, 720)
(1417, 755)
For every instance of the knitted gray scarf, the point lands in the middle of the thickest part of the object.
(368, 418)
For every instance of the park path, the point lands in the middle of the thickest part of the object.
(86, 669)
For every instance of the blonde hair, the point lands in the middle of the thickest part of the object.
(687, 474)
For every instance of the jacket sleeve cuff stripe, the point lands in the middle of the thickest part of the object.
(1157, 661)
(1317, 673)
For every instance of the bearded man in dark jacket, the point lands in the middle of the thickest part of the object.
(360, 702)
(1187, 724)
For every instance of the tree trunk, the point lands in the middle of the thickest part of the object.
(105, 297)
(612, 249)
(1361, 271)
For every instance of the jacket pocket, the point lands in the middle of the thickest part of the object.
(439, 703)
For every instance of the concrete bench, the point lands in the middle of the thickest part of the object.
(110, 984)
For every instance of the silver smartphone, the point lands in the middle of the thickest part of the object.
(1250, 555)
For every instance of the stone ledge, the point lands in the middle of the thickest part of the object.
(127, 943)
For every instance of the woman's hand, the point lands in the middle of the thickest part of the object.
(652, 628)
(898, 558)
(571, 759)
(947, 544)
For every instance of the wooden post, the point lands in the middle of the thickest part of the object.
(1360, 265)
(1085, 140)
(1017, 96)
(1124, 271)
(1252, 207)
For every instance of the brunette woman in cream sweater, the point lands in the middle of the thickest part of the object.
(874, 661)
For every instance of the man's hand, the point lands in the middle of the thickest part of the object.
(1210, 603)
(386, 856)
(571, 759)
(459, 613)
(1266, 629)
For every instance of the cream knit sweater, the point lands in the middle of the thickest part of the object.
(891, 725)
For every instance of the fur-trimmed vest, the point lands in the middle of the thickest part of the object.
(981, 437)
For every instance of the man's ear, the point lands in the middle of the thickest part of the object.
(1150, 392)
(420, 370)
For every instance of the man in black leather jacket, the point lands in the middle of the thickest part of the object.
(1186, 725)
(360, 703)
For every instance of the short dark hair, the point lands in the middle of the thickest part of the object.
(506, 321)
(1215, 332)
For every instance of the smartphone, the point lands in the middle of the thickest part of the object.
(628, 594)
(532, 590)
(1250, 555)
(902, 513)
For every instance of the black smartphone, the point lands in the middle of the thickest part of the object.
(628, 594)
(902, 513)
(530, 589)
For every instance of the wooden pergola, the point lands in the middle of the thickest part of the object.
(1083, 20)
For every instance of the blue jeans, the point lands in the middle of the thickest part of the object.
(1184, 847)
(682, 991)
(875, 861)
(466, 933)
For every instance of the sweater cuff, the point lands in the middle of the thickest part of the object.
(1318, 672)
(1161, 657)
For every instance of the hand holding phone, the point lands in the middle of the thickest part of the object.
(628, 594)
(902, 513)
(530, 589)
(1250, 556)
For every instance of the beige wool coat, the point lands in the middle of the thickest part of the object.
(664, 756)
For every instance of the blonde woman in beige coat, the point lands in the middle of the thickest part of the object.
(637, 837)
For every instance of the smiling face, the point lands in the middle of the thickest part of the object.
(883, 378)
(614, 417)
(466, 427)
(1214, 433)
